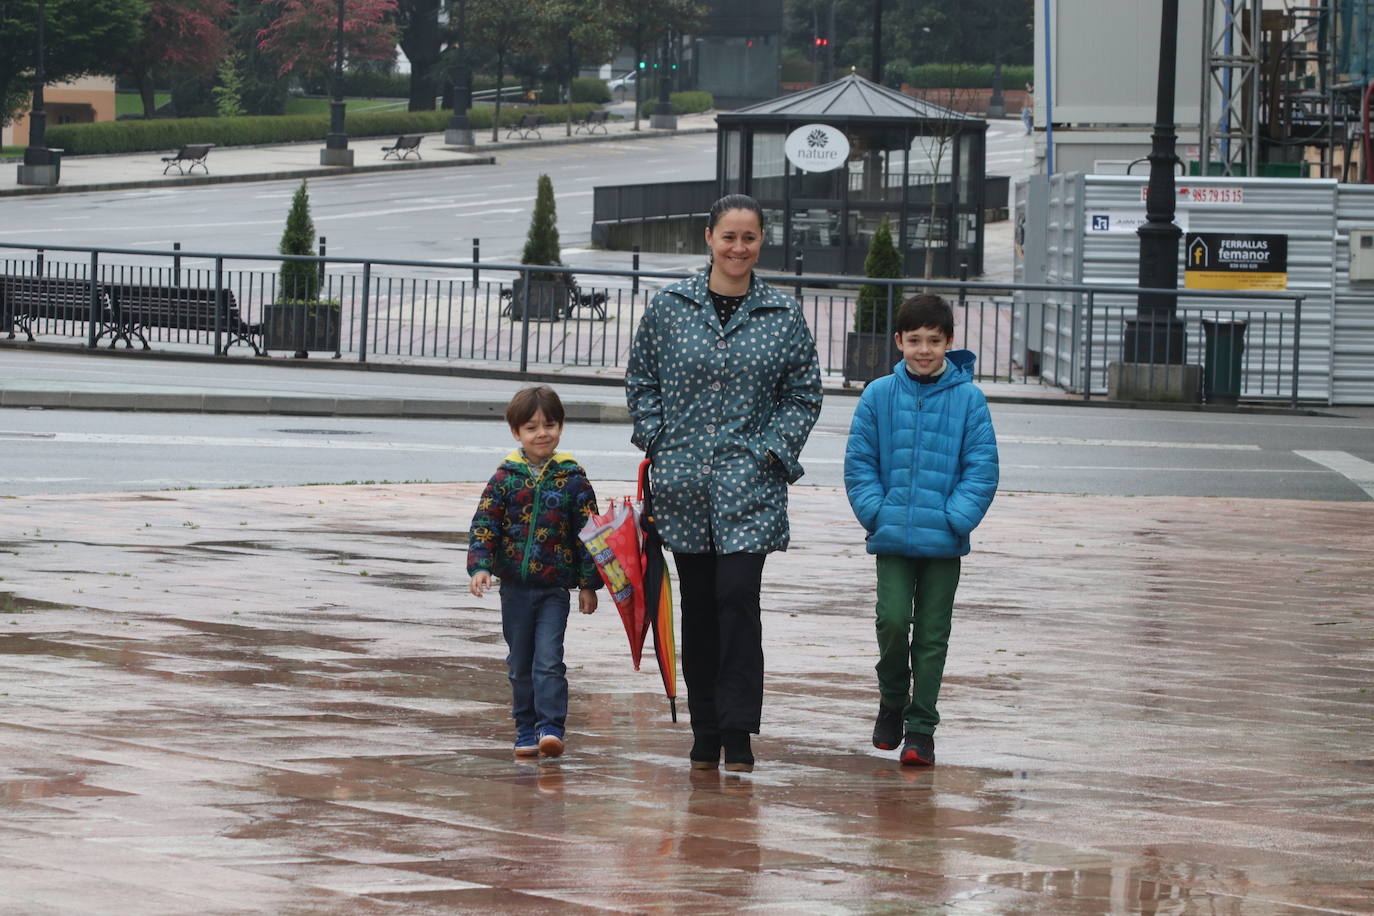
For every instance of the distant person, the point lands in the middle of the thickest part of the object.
(1028, 109)
(920, 470)
(525, 533)
(723, 386)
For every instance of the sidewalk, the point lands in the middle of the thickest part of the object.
(302, 160)
(284, 701)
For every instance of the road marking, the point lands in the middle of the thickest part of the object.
(253, 442)
(1122, 443)
(1356, 470)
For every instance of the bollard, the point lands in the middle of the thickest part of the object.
(634, 265)
(321, 271)
(476, 258)
(176, 265)
(797, 264)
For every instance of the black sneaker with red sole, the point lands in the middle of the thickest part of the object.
(887, 729)
(919, 750)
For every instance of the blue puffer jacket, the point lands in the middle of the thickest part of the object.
(921, 464)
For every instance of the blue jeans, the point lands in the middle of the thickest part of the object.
(533, 621)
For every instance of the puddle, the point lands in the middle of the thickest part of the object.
(10, 603)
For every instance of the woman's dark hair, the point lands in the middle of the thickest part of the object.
(734, 202)
(925, 310)
(528, 401)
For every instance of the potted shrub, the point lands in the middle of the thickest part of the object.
(869, 352)
(546, 298)
(298, 320)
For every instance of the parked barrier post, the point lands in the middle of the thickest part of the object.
(219, 306)
(362, 320)
(176, 265)
(1297, 349)
(321, 273)
(525, 323)
(38, 263)
(1088, 361)
(93, 319)
(476, 259)
(797, 267)
(634, 265)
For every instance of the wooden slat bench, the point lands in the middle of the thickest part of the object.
(405, 145)
(593, 121)
(193, 153)
(527, 125)
(137, 308)
(25, 302)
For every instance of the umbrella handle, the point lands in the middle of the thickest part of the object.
(642, 480)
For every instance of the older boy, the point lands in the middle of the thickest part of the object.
(920, 470)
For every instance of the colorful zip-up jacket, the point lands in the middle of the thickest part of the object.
(525, 528)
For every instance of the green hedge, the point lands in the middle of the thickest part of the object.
(684, 103)
(170, 133)
(590, 89)
(966, 76)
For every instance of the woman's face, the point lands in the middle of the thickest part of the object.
(735, 243)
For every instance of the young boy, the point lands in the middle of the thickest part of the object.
(920, 470)
(525, 533)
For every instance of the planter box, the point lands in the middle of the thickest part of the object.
(300, 328)
(545, 300)
(868, 356)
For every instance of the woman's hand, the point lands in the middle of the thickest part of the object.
(479, 583)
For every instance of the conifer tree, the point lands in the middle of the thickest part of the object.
(883, 260)
(299, 280)
(541, 245)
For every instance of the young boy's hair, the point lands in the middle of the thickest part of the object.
(528, 401)
(925, 310)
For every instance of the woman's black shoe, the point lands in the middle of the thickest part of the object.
(705, 751)
(738, 757)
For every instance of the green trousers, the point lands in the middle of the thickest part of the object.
(915, 607)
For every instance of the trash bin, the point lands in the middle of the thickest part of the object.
(1222, 359)
(55, 160)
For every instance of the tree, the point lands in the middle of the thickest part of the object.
(263, 90)
(179, 36)
(542, 245)
(422, 39)
(567, 32)
(502, 26)
(299, 281)
(883, 260)
(229, 91)
(641, 23)
(77, 39)
(302, 38)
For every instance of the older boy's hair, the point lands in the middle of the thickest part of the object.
(528, 401)
(925, 310)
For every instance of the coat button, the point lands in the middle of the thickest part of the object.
(710, 429)
(706, 469)
(715, 386)
(722, 345)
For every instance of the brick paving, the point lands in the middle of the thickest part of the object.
(284, 701)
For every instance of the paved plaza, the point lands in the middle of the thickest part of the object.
(284, 701)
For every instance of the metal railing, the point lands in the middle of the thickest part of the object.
(396, 309)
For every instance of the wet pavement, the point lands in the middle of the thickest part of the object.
(284, 701)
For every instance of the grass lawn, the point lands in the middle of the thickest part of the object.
(304, 106)
(6, 151)
(132, 102)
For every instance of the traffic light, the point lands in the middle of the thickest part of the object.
(822, 42)
(642, 65)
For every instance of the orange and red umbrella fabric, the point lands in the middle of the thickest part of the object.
(614, 541)
(658, 590)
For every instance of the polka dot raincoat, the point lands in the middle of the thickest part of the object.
(723, 413)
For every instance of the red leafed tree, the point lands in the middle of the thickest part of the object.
(302, 38)
(179, 36)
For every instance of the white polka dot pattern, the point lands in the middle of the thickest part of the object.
(723, 413)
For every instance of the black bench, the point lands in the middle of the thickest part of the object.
(194, 153)
(528, 124)
(405, 145)
(136, 308)
(593, 120)
(27, 301)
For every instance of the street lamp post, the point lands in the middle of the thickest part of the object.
(41, 165)
(1156, 335)
(459, 131)
(663, 116)
(336, 151)
(997, 105)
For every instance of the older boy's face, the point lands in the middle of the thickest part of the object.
(538, 436)
(923, 349)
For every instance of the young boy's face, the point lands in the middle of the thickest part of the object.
(538, 436)
(923, 349)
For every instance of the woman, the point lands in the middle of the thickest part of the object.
(723, 386)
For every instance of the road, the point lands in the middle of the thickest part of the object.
(1044, 449)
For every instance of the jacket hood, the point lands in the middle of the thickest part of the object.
(557, 461)
(960, 370)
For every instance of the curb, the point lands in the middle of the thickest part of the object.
(329, 171)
